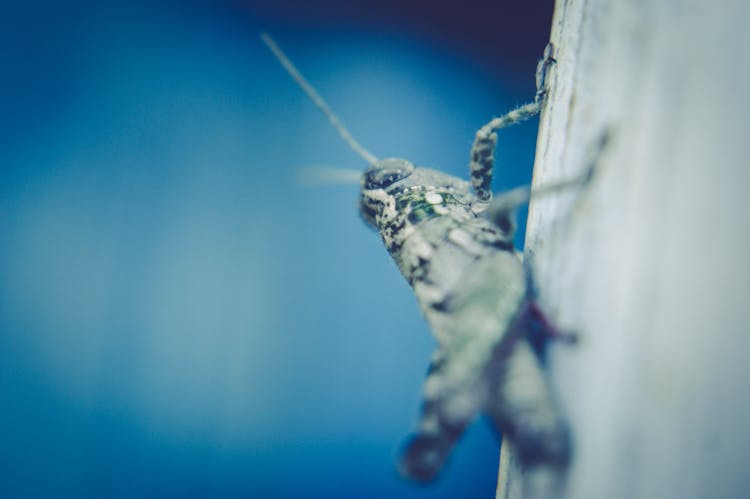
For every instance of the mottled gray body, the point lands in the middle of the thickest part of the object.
(454, 244)
(471, 287)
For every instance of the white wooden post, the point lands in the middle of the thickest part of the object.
(651, 262)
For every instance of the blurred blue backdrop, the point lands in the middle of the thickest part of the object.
(178, 317)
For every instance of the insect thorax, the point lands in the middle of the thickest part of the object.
(418, 211)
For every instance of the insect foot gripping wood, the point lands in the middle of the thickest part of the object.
(454, 245)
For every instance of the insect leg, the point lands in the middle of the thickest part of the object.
(446, 411)
(538, 320)
(500, 210)
(522, 405)
(475, 323)
(483, 149)
(542, 72)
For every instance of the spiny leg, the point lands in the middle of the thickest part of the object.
(483, 149)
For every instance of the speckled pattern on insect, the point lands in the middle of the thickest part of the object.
(454, 244)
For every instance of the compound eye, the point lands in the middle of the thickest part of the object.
(387, 171)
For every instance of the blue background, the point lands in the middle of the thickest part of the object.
(178, 316)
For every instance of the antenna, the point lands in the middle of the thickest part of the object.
(323, 175)
(317, 100)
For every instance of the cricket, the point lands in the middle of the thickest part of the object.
(453, 242)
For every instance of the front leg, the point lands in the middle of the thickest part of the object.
(483, 149)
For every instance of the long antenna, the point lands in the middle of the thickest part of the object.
(317, 100)
(323, 175)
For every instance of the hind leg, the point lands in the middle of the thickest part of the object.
(449, 405)
(521, 405)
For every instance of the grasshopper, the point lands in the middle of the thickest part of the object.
(454, 245)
